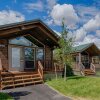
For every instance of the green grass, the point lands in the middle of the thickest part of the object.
(86, 88)
(98, 73)
(5, 96)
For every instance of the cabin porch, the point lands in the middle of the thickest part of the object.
(84, 61)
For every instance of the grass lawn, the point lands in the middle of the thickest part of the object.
(5, 96)
(79, 88)
(98, 73)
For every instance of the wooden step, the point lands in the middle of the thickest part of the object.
(18, 84)
(35, 78)
(34, 75)
(89, 72)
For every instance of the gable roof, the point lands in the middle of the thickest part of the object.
(35, 28)
(11, 25)
(81, 48)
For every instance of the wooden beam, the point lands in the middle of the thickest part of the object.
(15, 30)
(44, 56)
(36, 39)
(49, 35)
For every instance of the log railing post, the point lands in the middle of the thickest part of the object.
(0, 74)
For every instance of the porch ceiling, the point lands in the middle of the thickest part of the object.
(36, 28)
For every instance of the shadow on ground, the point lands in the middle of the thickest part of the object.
(17, 95)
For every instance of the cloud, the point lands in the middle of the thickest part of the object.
(51, 3)
(86, 12)
(98, 33)
(10, 16)
(65, 11)
(91, 26)
(38, 6)
(90, 39)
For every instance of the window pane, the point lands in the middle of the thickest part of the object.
(15, 57)
(29, 54)
(29, 58)
(21, 41)
(40, 54)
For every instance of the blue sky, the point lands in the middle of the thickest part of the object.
(82, 17)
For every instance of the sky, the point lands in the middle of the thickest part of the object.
(81, 17)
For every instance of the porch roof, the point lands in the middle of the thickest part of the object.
(35, 29)
(90, 48)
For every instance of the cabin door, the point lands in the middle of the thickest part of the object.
(85, 61)
(16, 58)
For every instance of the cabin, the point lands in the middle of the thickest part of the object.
(26, 52)
(86, 59)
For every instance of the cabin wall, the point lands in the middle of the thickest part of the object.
(48, 54)
(48, 58)
(75, 65)
(4, 54)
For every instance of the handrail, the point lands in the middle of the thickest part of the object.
(0, 65)
(92, 67)
(82, 67)
(40, 69)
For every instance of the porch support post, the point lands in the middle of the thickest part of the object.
(92, 59)
(44, 57)
(79, 58)
(52, 62)
(0, 74)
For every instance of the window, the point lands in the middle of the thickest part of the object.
(96, 60)
(40, 54)
(15, 57)
(29, 58)
(21, 41)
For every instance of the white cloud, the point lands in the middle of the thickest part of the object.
(91, 26)
(86, 12)
(30, 7)
(98, 33)
(10, 16)
(90, 39)
(80, 34)
(51, 3)
(65, 11)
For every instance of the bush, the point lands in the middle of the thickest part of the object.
(69, 71)
(5, 96)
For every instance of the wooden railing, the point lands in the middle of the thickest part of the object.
(40, 69)
(0, 65)
(92, 67)
(82, 68)
(50, 66)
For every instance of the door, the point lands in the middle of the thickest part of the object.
(85, 61)
(16, 58)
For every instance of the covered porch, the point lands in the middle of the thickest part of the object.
(84, 57)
